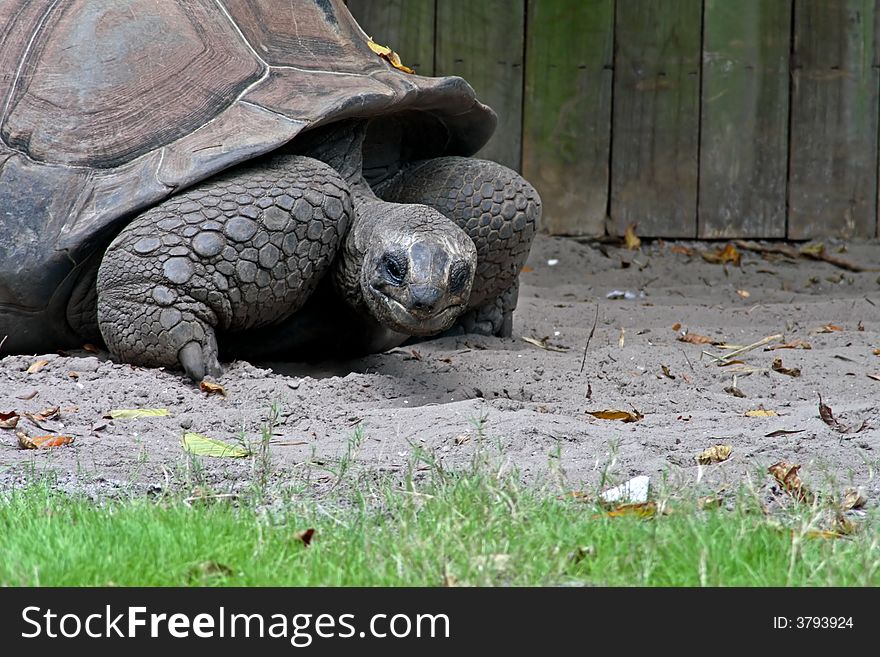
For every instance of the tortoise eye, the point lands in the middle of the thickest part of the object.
(395, 267)
(458, 277)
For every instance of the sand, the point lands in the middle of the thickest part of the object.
(424, 402)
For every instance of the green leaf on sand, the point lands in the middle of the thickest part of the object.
(128, 413)
(196, 443)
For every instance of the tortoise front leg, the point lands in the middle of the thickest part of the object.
(241, 251)
(497, 208)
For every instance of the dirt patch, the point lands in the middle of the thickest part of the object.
(532, 402)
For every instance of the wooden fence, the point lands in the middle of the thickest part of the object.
(691, 118)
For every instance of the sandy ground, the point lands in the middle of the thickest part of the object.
(532, 402)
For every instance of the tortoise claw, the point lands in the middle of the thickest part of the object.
(196, 363)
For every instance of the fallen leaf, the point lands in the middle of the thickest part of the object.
(722, 256)
(715, 454)
(789, 371)
(733, 390)
(876, 377)
(305, 536)
(73, 375)
(542, 344)
(853, 499)
(683, 250)
(709, 502)
(794, 344)
(696, 338)
(211, 388)
(666, 372)
(822, 533)
(41, 442)
(761, 412)
(527, 269)
(92, 349)
(9, 420)
(37, 366)
(196, 443)
(389, 55)
(630, 238)
(129, 413)
(829, 419)
(877, 352)
(745, 294)
(621, 340)
(51, 413)
(788, 478)
(210, 569)
(829, 328)
(639, 510)
(677, 327)
(782, 432)
(609, 414)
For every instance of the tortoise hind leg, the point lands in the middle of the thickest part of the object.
(497, 208)
(241, 251)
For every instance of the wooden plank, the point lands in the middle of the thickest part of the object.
(482, 41)
(405, 26)
(567, 111)
(833, 170)
(656, 117)
(744, 130)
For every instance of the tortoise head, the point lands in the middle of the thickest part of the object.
(417, 271)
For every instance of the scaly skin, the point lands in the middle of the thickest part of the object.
(497, 208)
(240, 251)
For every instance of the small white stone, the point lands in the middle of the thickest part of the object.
(552, 262)
(633, 491)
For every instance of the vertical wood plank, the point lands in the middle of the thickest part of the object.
(405, 26)
(656, 117)
(482, 41)
(833, 171)
(744, 131)
(567, 111)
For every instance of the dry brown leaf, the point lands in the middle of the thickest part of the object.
(877, 352)
(305, 536)
(527, 269)
(92, 349)
(9, 420)
(715, 454)
(683, 250)
(794, 344)
(829, 419)
(36, 366)
(41, 442)
(51, 413)
(611, 414)
(389, 55)
(736, 392)
(212, 388)
(761, 412)
(542, 344)
(788, 478)
(822, 533)
(722, 256)
(876, 377)
(789, 371)
(677, 327)
(853, 499)
(745, 294)
(666, 372)
(630, 238)
(696, 338)
(783, 432)
(829, 328)
(640, 510)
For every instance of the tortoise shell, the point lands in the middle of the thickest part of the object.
(109, 106)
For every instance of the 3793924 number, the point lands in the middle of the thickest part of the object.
(823, 622)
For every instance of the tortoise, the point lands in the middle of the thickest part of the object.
(185, 181)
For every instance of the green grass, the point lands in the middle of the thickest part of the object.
(465, 529)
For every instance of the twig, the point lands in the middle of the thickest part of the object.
(742, 350)
(589, 337)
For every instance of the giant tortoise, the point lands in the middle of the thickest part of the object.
(190, 179)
